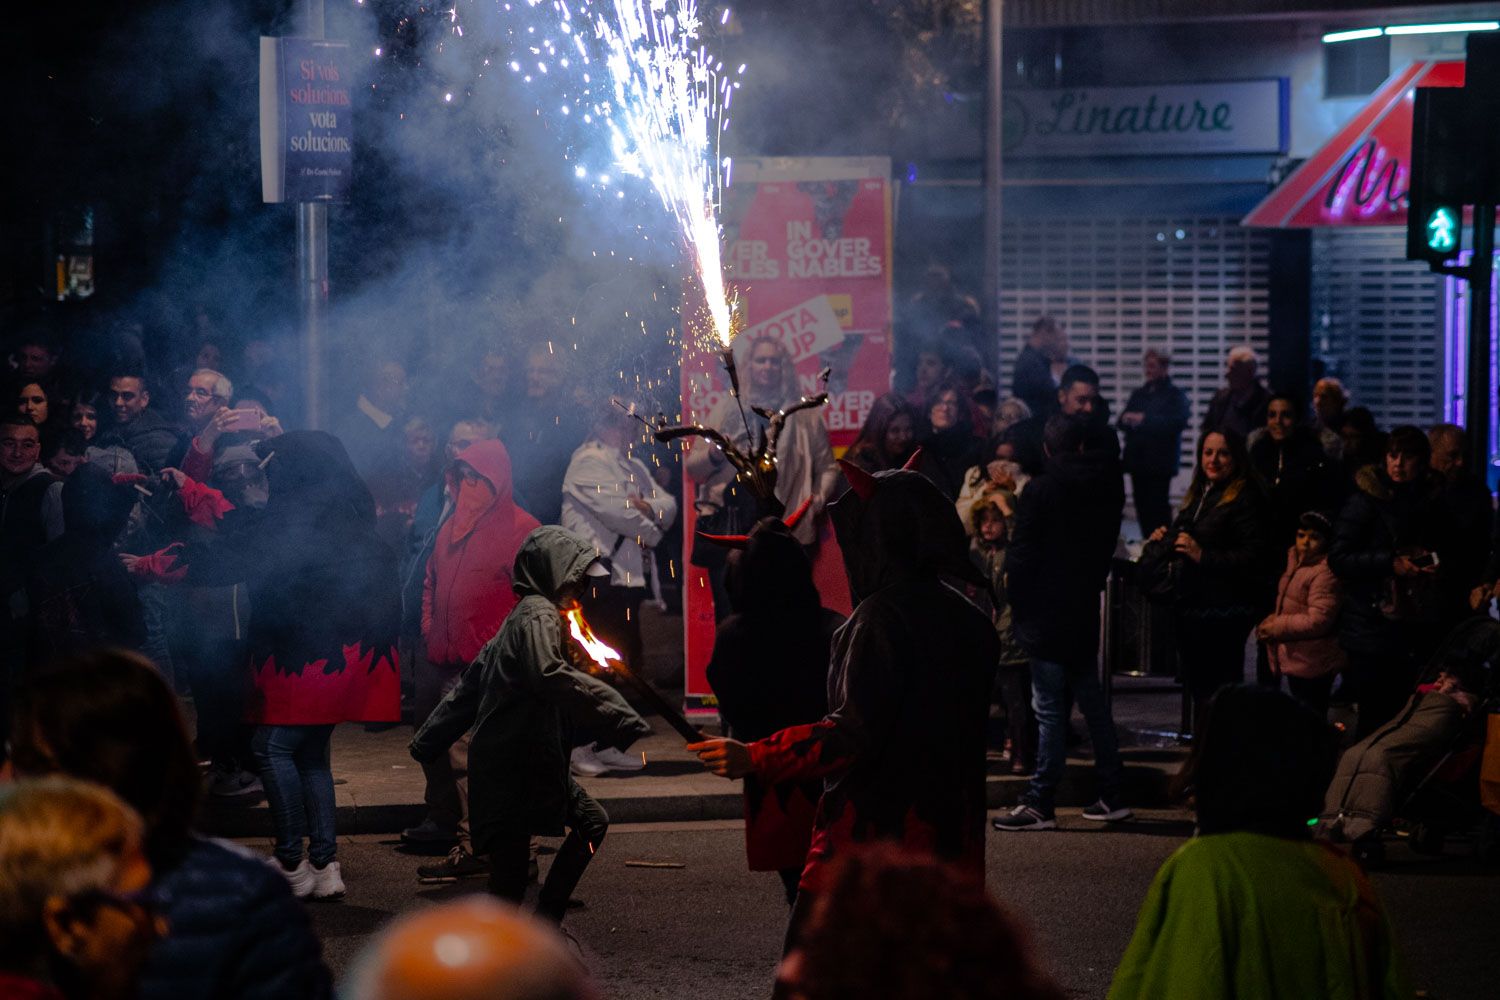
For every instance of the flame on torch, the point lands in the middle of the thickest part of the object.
(609, 659)
(605, 655)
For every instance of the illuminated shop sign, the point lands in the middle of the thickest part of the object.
(1361, 176)
(1239, 117)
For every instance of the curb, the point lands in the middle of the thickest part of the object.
(1145, 786)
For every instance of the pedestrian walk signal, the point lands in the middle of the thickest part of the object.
(1442, 230)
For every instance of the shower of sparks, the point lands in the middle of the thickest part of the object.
(665, 106)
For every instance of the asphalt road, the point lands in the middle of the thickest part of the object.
(713, 930)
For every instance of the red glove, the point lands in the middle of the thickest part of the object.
(204, 504)
(160, 566)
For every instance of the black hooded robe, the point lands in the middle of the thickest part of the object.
(902, 750)
(769, 670)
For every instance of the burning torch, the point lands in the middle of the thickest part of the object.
(608, 659)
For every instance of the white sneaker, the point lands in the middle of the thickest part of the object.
(586, 764)
(299, 878)
(619, 760)
(327, 882)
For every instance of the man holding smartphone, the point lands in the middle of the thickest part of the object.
(208, 392)
(211, 417)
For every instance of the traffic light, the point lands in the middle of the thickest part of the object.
(1444, 229)
(1441, 167)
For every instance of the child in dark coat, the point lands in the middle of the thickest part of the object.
(990, 522)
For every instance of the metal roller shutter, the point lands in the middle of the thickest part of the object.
(1377, 323)
(1193, 286)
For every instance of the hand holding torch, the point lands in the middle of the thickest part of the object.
(608, 659)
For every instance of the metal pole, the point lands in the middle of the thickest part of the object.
(994, 129)
(1477, 389)
(312, 264)
(312, 283)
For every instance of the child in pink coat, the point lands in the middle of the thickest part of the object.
(1301, 634)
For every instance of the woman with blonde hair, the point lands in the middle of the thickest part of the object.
(73, 872)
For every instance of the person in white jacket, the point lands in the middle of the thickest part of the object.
(611, 499)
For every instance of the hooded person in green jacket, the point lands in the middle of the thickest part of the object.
(1252, 907)
(524, 699)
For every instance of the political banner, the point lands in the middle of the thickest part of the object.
(306, 120)
(808, 246)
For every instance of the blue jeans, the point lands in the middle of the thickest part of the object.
(1049, 685)
(293, 762)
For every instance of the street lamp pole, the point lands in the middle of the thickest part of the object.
(312, 264)
(1477, 387)
(994, 128)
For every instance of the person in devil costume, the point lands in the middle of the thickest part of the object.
(325, 608)
(769, 670)
(902, 749)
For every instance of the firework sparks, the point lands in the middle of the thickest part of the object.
(664, 103)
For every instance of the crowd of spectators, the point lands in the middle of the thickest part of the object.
(293, 580)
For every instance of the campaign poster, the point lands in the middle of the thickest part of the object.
(307, 120)
(808, 246)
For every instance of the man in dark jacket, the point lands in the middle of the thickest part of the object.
(1077, 396)
(1467, 512)
(370, 432)
(140, 430)
(1154, 419)
(1067, 528)
(523, 699)
(155, 444)
(1040, 365)
(902, 749)
(545, 431)
(1241, 405)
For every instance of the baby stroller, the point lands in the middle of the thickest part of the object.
(1419, 773)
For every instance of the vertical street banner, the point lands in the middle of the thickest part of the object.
(306, 120)
(808, 245)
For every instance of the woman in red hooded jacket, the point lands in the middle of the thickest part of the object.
(465, 598)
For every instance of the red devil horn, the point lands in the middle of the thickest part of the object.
(726, 541)
(797, 514)
(914, 461)
(860, 481)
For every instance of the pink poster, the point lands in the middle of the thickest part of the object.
(808, 245)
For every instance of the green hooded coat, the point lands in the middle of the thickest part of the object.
(1245, 915)
(524, 699)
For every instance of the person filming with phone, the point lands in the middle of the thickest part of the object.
(222, 455)
(1387, 553)
(1220, 541)
(216, 425)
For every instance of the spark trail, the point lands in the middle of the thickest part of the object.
(665, 106)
